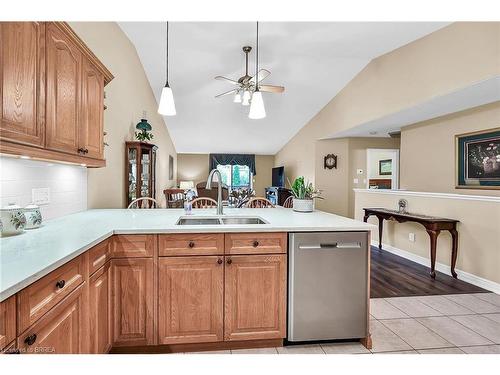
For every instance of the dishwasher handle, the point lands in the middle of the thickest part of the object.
(333, 245)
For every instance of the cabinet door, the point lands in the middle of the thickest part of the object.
(63, 330)
(7, 321)
(190, 299)
(255, 297)
(100, 311)
(91, 122)
(133, 301)
(64, 62)
(22, 72)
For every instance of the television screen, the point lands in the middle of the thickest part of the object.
(279, 177)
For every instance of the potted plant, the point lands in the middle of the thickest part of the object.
(304, 194)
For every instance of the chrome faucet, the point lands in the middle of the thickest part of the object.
(219, 189)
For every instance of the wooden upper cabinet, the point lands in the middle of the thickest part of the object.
(133, 301)
(63, 330)
(255, 297)
(22, 74)
(64, 75)
(190, 299)
(91, 121)
(100, 318)
(7, 321)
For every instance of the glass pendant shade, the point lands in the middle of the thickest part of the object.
(257, 109)
(246, 98)
(237, 98)
(167, 104)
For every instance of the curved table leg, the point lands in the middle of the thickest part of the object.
(433, 234)
(454, 251)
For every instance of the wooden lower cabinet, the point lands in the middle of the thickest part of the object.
(100, 323)
(133, 301)
(7, 321)
(62, 330)
(190, 299)
(255, 297)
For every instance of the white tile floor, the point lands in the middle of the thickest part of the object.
(451, 324)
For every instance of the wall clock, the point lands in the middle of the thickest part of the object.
(330, 161)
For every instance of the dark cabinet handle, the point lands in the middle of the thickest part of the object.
(82, 150)
(191, 244)
(229, 261)
(255, 243)
(219, 261)
(60, 284)
(30, 340)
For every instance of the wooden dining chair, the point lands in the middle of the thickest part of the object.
(144, 203)
(203, 202)
(174, 198)
(258, 202)
(288, 203)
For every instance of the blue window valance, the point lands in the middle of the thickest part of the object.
(233, 159)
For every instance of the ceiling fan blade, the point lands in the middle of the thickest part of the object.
(271, 88)
(262, 74)
(226, 93)
(221, 78)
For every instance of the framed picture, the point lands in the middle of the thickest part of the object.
(478, 160)
(385, 167)
(170, 167)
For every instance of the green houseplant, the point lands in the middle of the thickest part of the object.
(304, 194)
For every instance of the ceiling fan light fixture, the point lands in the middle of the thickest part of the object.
(246, 98)
(237, 98)
(257, 108)
(167, 104)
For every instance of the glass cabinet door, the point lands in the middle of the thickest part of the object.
(145, 169)
(132, 174)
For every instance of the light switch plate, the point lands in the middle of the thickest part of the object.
(411, 237)
(359, 171)
(356, 181)
(40, 196)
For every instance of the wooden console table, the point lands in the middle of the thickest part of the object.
(433, 226)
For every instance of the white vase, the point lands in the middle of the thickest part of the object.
(303, 205)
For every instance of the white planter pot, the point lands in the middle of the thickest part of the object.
(303, 205)
(12, 219)
(33, 216)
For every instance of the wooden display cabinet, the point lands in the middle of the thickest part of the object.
(140, 170)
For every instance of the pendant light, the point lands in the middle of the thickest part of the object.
(257, 109)
(237, 98)
(167, 104)
(246, 98)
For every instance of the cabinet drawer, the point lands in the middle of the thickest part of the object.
(63, 330)
(191, 244)
(98, 256)
(133, 245)
(38, 298)
(7, 321)
(255, 243)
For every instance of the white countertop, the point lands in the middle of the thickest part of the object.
(31, 255)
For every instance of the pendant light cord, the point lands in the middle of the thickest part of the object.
(167, 54)
(257, 61)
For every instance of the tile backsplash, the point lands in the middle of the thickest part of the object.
(67, 184)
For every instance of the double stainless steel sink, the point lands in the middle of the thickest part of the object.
(234, 220)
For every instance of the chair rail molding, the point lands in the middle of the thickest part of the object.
(484, 198)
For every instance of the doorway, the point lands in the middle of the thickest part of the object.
(382, 168)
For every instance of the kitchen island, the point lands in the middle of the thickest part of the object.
(136, 279)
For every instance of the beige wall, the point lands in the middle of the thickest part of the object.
(428, 150)
(127, 96)
(448, 59)
(194, 167)
(479, 230)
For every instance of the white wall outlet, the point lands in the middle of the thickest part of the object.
(355, 180)
(40, 196)
(411, 237)
(359, 171)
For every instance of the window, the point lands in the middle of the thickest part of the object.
(236, 176)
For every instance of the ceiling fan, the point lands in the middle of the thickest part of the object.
(247, 85)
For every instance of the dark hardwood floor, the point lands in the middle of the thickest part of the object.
(394, 276)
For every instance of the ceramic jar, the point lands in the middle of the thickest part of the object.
(33, 216)
(13, 220)
(303, 205)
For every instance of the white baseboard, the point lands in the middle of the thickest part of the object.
(462, 275)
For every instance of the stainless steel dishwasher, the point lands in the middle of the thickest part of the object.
(328, 282)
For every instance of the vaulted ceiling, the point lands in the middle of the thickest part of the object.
(314, 61)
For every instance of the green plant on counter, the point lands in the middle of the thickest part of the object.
(143, 136)
(302, 189)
